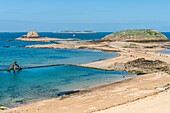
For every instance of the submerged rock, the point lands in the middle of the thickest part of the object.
(19, 101)
(67, 92)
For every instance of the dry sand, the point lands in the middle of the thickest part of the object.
(116, 96)
(153, 104)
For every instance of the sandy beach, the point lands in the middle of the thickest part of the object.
(70, 56)
(102, 97)
(153, 104)
(128, 54)
(111, 96)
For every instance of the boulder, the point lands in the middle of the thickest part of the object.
(142, 65)
(31, 34)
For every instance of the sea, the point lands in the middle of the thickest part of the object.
(20, 87)
(13, 50)
(166, 51)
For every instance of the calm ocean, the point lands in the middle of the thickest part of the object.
(166, 51)
(12, 50)
(29, 84)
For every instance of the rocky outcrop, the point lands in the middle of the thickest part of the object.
(138, 35)
(31, 34)
(142, 65)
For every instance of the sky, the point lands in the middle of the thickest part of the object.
(97, 15)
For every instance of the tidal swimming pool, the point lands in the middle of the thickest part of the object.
(46, 82)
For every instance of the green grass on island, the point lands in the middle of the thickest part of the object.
(136, 35)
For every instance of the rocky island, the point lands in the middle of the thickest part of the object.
(32, 35)
(136, 35)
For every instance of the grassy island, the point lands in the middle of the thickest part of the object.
(136, 35)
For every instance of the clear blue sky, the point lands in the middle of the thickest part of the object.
(98, 15)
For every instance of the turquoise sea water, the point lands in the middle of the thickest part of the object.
(37, 83)
(27, 57)
(167, 34)
(30, 84)
(13, 50)
(45, 82)
(166, 51)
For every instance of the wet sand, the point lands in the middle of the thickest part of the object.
(128, 54)
(44, 39)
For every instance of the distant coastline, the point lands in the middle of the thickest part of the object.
(72, 31)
